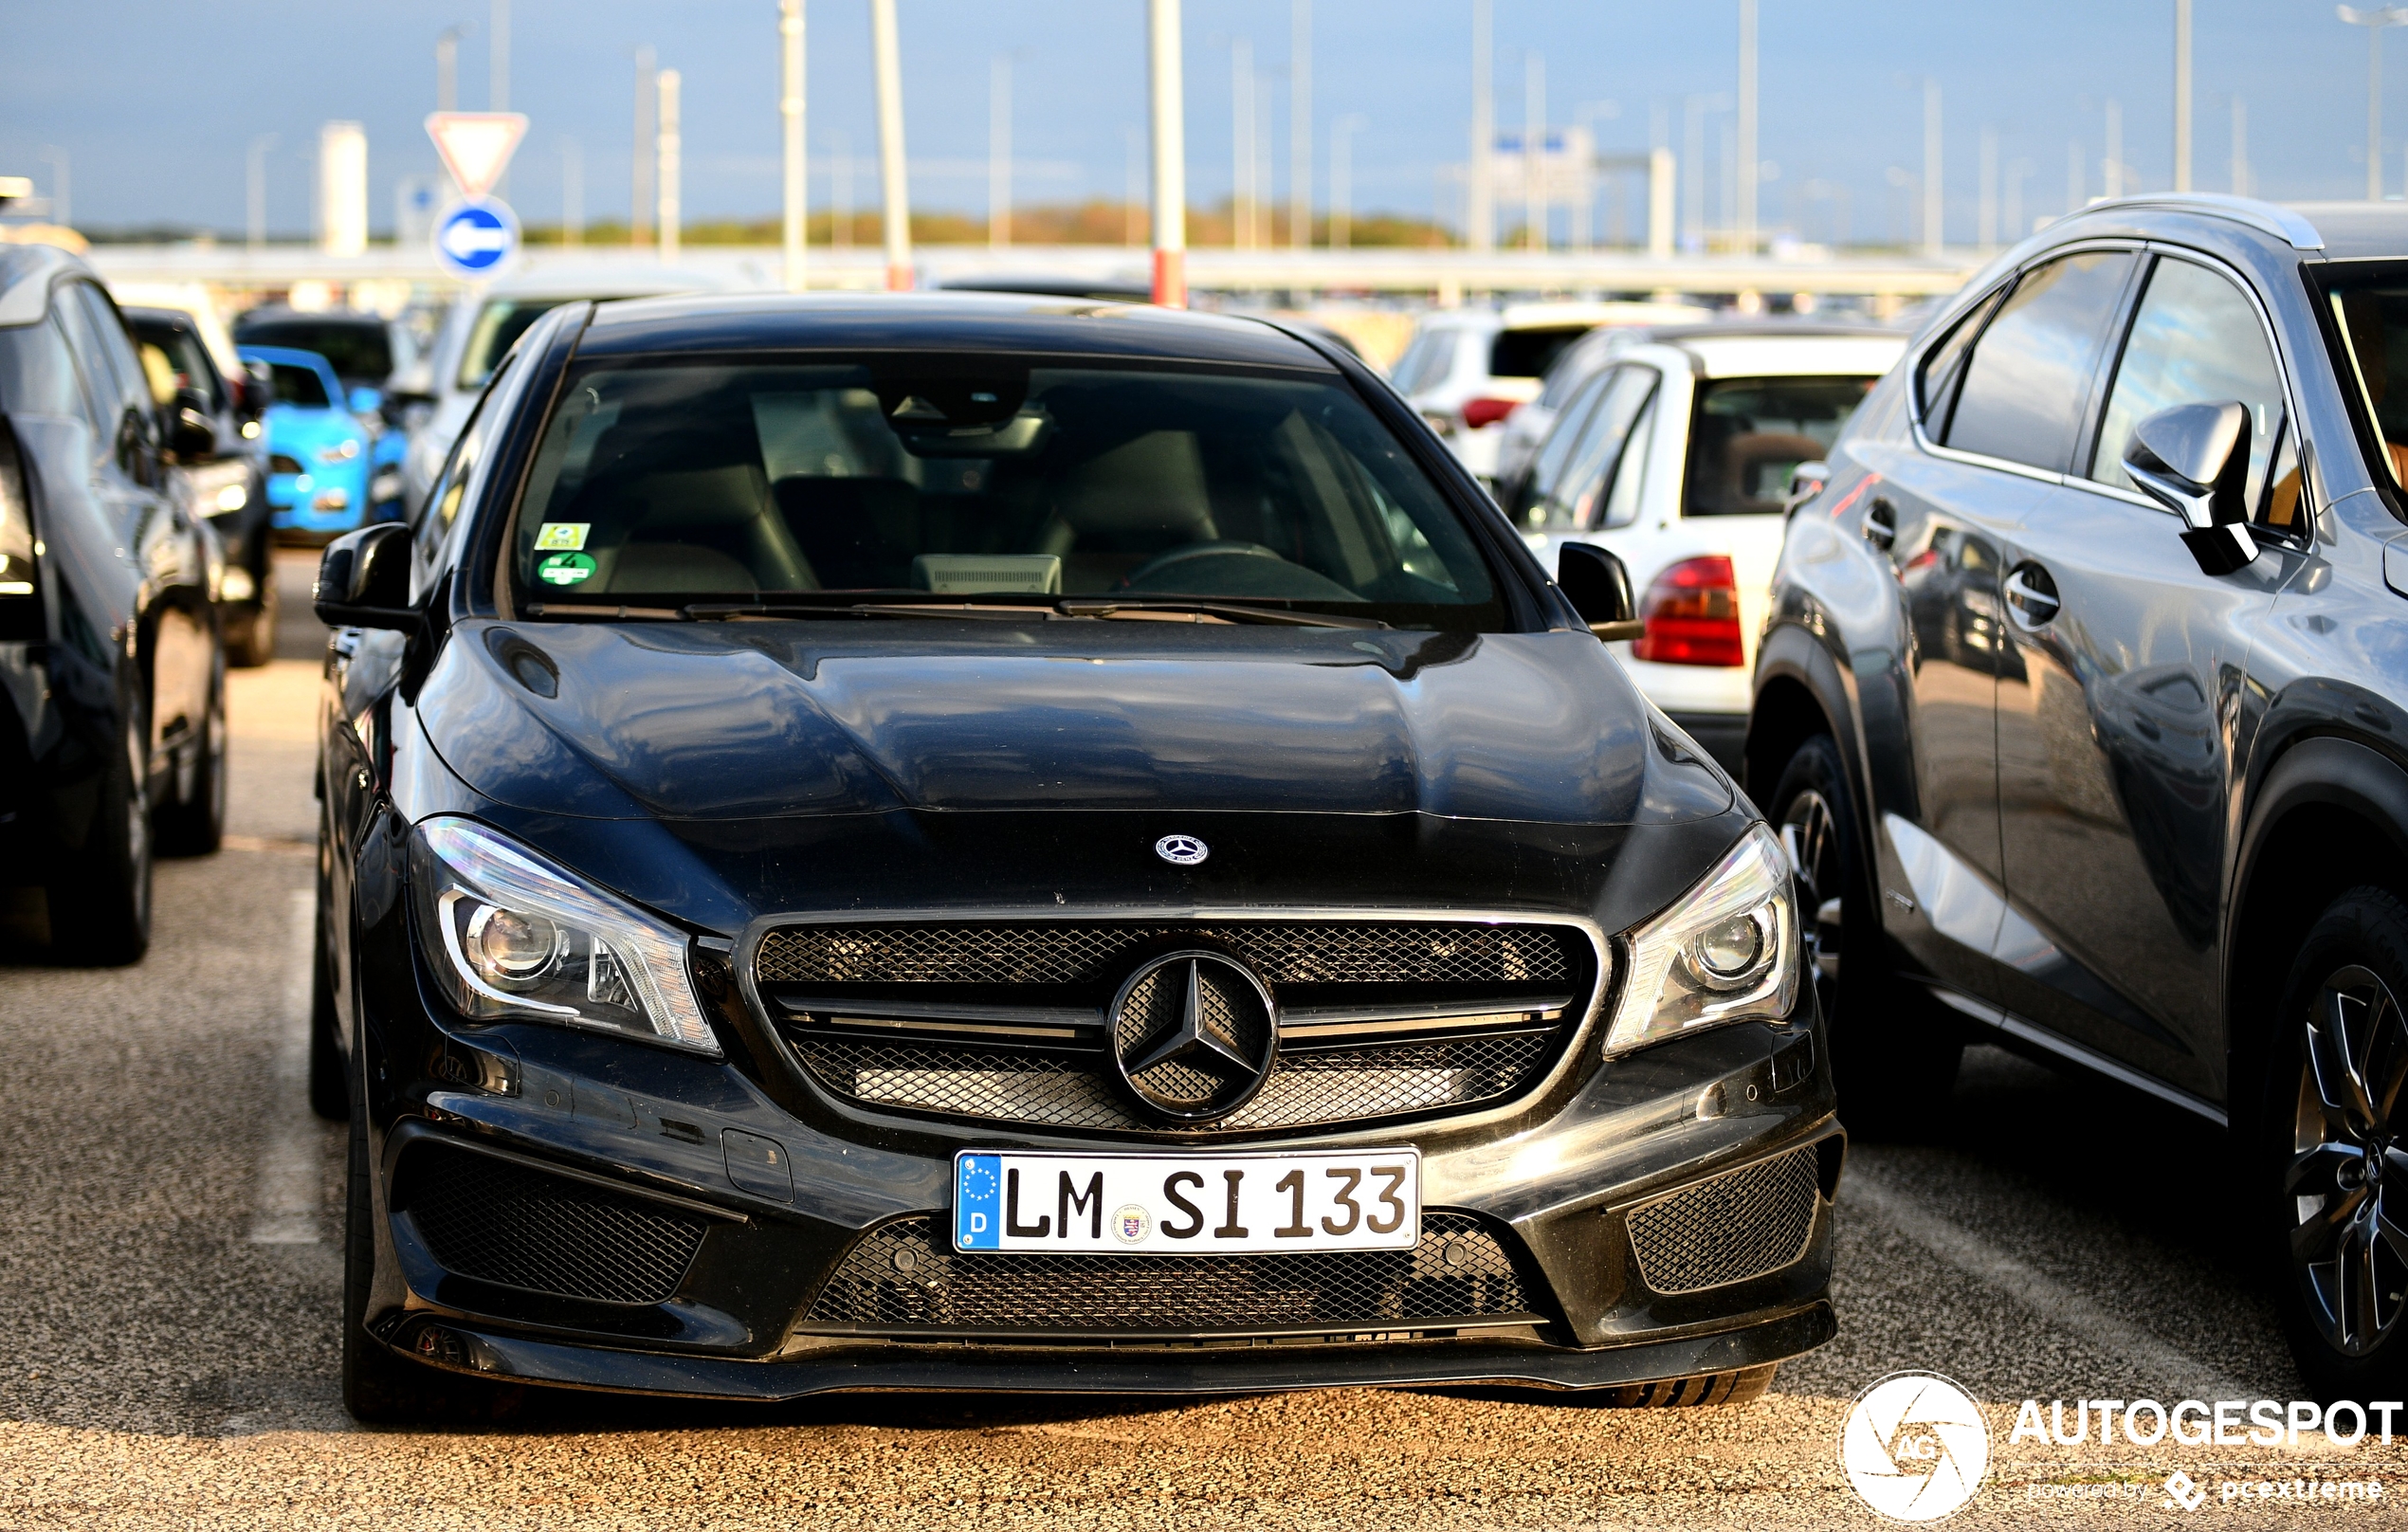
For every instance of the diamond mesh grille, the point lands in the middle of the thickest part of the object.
(503, 1223)
(1333, 954)
(1073, 1090)
(903, 1276)
(1734, 1227)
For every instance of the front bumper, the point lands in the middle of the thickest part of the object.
(1554, 1178)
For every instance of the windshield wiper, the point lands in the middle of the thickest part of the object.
(1228, 611)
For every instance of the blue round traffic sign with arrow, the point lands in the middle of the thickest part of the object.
(477, 238)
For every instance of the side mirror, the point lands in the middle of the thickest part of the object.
(258, 389)
(2194, 461)
(191, 435)
(365, 400)
(1599, 590)
(1806, 480)
(363, 580)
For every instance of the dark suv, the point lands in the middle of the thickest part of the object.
(2080, 706)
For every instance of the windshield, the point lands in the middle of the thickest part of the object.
(916, 476)
(1751, 432)
(498, 325)
(359, 350)
(299, 386)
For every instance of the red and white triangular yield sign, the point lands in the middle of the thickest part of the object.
(475, 146)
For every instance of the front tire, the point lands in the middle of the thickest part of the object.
(1894, 1053)
(251, 638)
(2334, 1152)
(99, 893)
(193, 824)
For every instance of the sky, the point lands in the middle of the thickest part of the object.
(154, 105)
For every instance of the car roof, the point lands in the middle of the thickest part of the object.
(172, 318)
(1104, 290)
(354, 318)
(1770, 354)
(25, 274)
(948, 321)
(290, 357)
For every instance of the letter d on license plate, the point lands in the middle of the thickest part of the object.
(1354, 1199)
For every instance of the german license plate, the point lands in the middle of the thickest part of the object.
(1354, 1199)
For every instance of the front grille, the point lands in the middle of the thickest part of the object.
(1071, 1090)
(901, 1276)
(825, 985)
(1018, 955)
(1740, 1225)
(501, 1222)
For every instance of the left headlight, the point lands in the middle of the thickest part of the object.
(1725, 951)
(511, 936)
(342, 451)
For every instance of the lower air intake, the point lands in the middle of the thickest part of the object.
(903, 1276)
(500, 1222)
(1736, 1226)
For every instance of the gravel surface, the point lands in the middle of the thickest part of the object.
(160, 1369)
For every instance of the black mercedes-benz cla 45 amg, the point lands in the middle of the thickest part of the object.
(1006, 844)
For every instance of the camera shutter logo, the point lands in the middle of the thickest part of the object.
(1914, 1447)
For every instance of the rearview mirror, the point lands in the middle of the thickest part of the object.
(1599, 590)
(363, 580)
(2194, 461)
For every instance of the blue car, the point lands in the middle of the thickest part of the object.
(322, 446)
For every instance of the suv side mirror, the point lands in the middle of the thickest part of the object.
(1806, 480)
(191, 434)
(2194, 461)
(1599, 590)
(363, 580)
(365, 401)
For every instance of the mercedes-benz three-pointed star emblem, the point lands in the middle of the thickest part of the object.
(1193, 1035)
(1181, 851)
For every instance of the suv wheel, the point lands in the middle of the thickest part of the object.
(99, 893)
(1893, 1052)
(2337, 1141)
(193, 822)
(250, 630)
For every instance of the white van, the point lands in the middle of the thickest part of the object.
(1676, 458)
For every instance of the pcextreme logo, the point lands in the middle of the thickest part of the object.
(1914, 1447)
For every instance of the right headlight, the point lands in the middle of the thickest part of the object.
(512, 937)
(1725, 951)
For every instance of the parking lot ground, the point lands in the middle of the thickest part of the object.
(168, 1292)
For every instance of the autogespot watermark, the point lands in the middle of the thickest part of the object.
(1915, 1447)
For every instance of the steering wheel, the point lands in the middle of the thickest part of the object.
(1232, 568)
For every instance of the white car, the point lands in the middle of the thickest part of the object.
(1676, 458)
(1468, 369)
(478, 330)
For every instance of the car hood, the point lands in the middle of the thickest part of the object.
(771, 721)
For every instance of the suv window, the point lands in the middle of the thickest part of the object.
(2195, 339)
(1530, 353)
(37, 376)
(189, 361)
(1943, 368)
(1751, 432)
(1426, 361)
(2029, 381)
(359, 350)
(1547, 467)
(1591, 471)
(102, 395)
(2372, 315)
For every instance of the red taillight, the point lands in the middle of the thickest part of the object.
(1692, 613)
(1479, 412)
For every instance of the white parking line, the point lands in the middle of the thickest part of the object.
(286, 1204)
(2159, 1364)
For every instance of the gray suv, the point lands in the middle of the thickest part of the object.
(2082, 709)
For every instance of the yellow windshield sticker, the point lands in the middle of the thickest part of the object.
(561, 536)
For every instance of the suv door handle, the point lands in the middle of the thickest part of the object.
(1881, 524)
(2032, 597)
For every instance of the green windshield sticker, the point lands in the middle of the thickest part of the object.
(561, 534)
(565, 568)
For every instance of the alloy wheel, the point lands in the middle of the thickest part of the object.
(1810, 832)
(2348, 1173)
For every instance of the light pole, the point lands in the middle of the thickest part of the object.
(672, 152)
(790, 113)
(894, 177)
(639, 215)
(256, 184)
(1170, 154)
(1342, 179)
(1747, 156)
(999, 152)
(2181, 95)
(498, 68)
(447, 69)
(1934, 239)
(1988, 235)
(1240, 144)
(61, 197)
(2240, 147)
(572, 191)
(1479, 209)
(1300, 125)
(1534, 149)
(2374, 20)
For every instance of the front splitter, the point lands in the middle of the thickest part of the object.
(1138, 1369)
